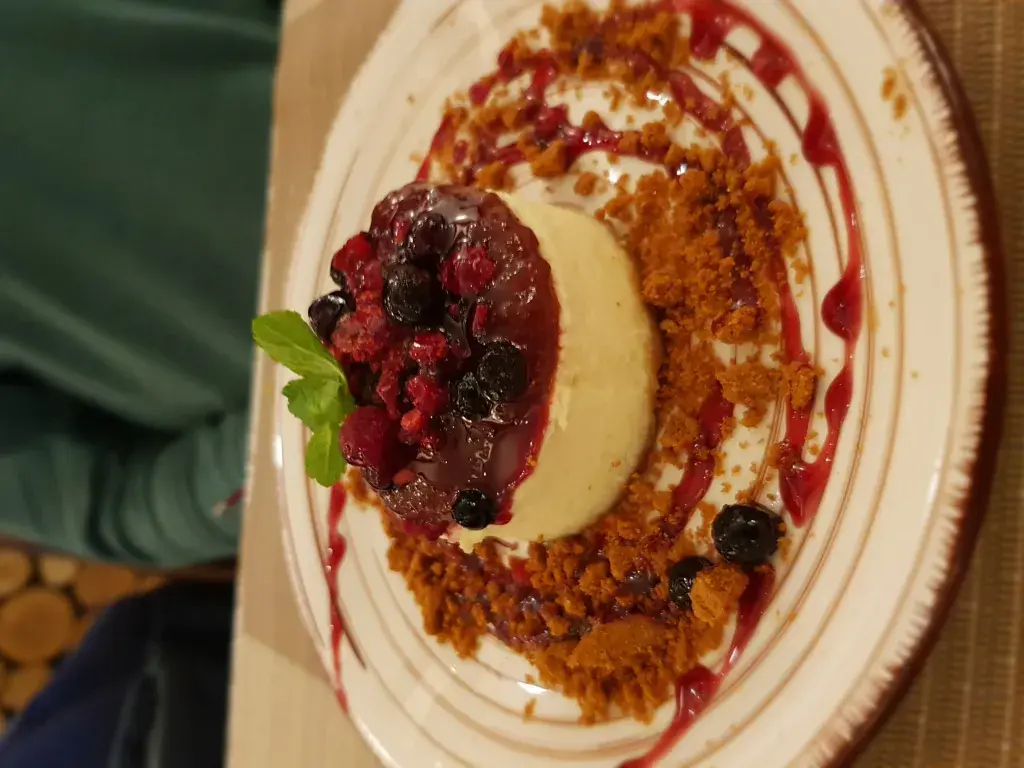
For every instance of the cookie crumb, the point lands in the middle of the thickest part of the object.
(551, 162)
(586, 183)
(716, 593)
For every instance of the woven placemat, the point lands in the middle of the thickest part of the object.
(965, 709)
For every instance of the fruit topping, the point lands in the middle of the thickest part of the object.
(369, 439)
(444, 307)
(468, 272)
(470, 401)
(325, 312)
(354, 253)
(426, 394)
(411, 296)
(430, 237)
(429, 348)
(681, 576)
(474, 509)
(746, 534)
(414, 424)
(478, 325)
(502, 372)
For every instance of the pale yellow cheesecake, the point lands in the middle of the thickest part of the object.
(601, 416)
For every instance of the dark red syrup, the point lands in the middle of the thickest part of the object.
(491, 287)
(333, 558)
(700, 468)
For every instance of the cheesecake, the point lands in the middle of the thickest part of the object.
(503, 363)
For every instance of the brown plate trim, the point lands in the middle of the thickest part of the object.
(974, 502)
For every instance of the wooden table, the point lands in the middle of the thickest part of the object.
(967, 706)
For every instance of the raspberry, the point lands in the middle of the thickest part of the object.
(369, 281)
(414, 423)
(468, 272)
(389, 388)
(356, 250)
(479, 323)
(429, 348)
(426, 394)
(364, 335)
(369, 439)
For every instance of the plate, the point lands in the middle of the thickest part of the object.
(881, 155)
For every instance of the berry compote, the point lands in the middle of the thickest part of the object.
(450, 345)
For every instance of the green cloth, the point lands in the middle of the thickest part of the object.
(133, 148)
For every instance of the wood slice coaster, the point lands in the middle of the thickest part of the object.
(58, 571)
(23, 684)
(150, 582)
(15, 571)
(100, 585)
(80, 629)
(35, 624)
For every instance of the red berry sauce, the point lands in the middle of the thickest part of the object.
(487, 284)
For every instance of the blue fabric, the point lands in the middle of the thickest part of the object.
(147, 687)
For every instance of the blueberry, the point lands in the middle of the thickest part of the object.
(681, 576)
(474, 509)
(430, 237)
(411, 295)
(470, 401)
(325, 312)
(502, 372)
(746, 534)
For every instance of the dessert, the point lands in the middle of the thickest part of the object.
(467, 332)
(499, 355)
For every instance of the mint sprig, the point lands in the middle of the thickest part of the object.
(320, 398)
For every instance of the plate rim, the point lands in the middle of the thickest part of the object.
(980, 474)
(974, 500)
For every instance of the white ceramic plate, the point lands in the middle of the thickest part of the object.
(874, 573)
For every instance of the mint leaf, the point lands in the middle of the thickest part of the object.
(288, 340)
(320, 399)
(315, 402)
(323, 456)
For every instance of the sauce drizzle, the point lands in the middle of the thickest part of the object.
(336, 545)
